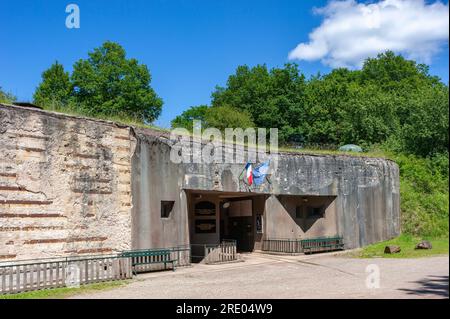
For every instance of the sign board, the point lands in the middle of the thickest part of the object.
(259, 224)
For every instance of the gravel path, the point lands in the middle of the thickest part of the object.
(270, 276)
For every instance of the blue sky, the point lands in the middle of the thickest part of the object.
(191, 46)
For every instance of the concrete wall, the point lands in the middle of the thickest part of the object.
(365, 190)
(282, 220)
(156, 178)
(65, 185)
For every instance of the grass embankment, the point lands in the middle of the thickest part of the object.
(424, 196)
(407, 244)
(317, 151)
(60, 293)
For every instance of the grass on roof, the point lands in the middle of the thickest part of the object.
(128, 121)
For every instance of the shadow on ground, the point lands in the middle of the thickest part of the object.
(433, 285)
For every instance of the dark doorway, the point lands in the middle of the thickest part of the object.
(237, 223)
(241, 230)
(216, 217)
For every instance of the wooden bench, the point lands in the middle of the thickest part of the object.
(149, 256)
(322, 244)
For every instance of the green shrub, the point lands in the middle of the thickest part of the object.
(424, 194)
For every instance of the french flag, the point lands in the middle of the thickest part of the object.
(249, 173)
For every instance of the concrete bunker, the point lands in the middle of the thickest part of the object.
(310, 196)
(75, 186)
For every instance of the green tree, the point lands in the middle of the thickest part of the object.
(383, 103)
(425, 131)
(368, 116)
(108, 83)
(393, 72)
(326, 97)
(403, 78)
(273, 99)
(55, 89)
(6, 97)
(222, 117)
(185, 120)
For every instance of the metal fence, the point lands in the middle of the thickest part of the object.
(21, 276)
(322, 244)
(282, 245)
(309, 245)
(180, 254)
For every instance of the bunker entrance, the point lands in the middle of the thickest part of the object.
(216, 217)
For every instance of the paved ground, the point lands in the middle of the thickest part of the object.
(270, 276)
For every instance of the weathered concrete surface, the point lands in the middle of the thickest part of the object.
(365, 209)
(282, 220)
(65, 185)
(72, 185)
(156, 178)
(289, 277)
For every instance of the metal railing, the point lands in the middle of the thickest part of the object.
(180, 254)
(307, 245)
(282, 245)
(322, 244)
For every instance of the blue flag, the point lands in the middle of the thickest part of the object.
(260, 172)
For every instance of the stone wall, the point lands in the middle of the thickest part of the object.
(65, 185)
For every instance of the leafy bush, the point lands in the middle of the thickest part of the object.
(220, 117)
(424, 194)
(6, 97)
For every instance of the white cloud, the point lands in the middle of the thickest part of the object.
(351, 31)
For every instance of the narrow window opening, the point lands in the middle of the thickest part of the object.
(298, 212)
(166, 208)
(316, 212)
